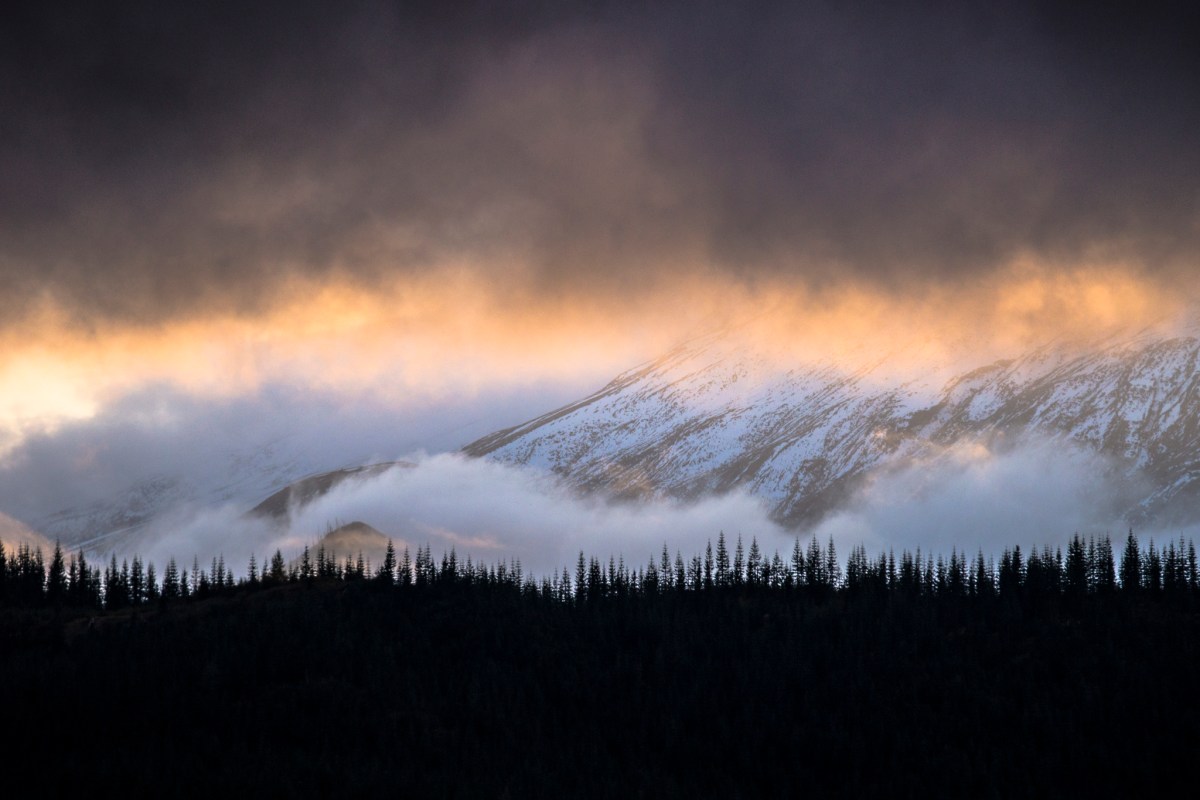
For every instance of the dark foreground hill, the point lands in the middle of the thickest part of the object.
(468, 689)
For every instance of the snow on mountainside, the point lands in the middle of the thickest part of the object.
(236, 476)
(710, 417)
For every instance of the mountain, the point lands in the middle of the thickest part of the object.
(243, 480)
(235, 476)
(296, 495)
(354, 539)
(712, 416)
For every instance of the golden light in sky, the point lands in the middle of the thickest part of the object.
(451, 333)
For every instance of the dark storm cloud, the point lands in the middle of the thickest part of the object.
(161, 158)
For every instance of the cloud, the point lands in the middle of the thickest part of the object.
(970, 498)
(484, 510)
(493, 511)
(967, 498)
(428, 203)
(160, 445)
(179, 162)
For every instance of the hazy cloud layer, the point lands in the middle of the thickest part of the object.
(488, 511)
(244, 447)
(161, 159)
(971, 500)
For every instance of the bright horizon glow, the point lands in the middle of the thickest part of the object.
(451, 334)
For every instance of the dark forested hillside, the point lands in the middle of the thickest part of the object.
(456, 680)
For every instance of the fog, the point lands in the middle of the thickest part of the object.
(239, 449)
(966, 498)
(971, 498)
(485, 510)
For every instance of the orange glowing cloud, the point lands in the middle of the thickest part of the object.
(450, 334)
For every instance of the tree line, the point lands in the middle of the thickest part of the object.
(1087, 567)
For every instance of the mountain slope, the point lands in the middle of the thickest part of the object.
(710, 417)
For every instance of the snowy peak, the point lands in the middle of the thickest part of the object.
(712, 416)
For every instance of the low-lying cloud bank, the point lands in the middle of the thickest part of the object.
(971, 498)
(488, 511)
(968, 498)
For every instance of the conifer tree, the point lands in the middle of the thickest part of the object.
(723, 569)
(754, 563)
(1131, 565)
(56, 580)
(1077, 567)
(739, 563)
(1106, 578)
(833, 567)
(1193, 574)
(1152, 570)
(152, 593)
(580, 578)
(797, 574)
(387, 572)
(815, 564)
(171, 581)
(708, 565)
(278, 569)
(137, 582)
(956, 579)
(406, 567)
(778, 570)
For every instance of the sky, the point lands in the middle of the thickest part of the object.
(436, 218)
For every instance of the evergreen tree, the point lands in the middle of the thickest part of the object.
(116, 588)
(152, 593)
(797, 575)
(1076, 568)
(387, 573)
(723, 569)
(56, 580)
(708, 565)
(277, 572)
(1152, 570)
(1106, 577)
(137, 582)
(1131, 565)
(754, 562)
(739, 563)
(405, 570)
(815, 563)
(171, 581)
(956, 579)
(833, 567)
(306, 568)
(580, 578)
(1193, 575)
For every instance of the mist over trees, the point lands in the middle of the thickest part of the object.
(1088, 567)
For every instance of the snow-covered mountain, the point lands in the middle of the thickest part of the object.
(236, 476)
(711, 416)
(265, 482)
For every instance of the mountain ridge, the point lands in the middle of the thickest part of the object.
(711, 416)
